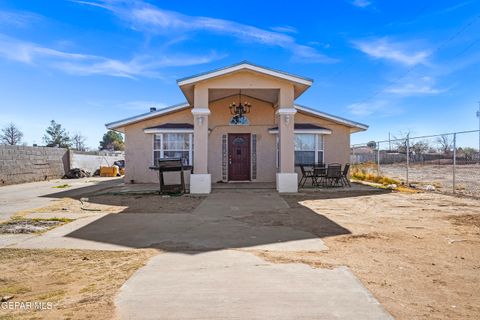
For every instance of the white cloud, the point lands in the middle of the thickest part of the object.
(307, 54)
(18, 18)
(414, 89)
(86, 64)
(364, 109)
(422, 86)
(147, 18)
(361, 3)
(285, 29)
(383, 48)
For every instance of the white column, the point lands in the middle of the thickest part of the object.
(200, 180)
(287, 180)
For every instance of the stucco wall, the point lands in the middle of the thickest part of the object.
(139, 146)
(337, 144)
(262, 117)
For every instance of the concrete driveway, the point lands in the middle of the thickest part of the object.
(205, 270)
(18, 197)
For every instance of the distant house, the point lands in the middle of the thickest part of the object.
(240, 123)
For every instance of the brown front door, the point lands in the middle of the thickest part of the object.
(239, 157)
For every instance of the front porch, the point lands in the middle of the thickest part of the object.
(226, 150)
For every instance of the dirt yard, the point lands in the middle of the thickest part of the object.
(81, 284)
(417, 253)
(440, 176)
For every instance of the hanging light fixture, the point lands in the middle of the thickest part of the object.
(242, 108)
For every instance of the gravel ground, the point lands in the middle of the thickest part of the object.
(30, 225)
(439, 176)
(416, 252)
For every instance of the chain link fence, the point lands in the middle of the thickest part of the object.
(448, 163)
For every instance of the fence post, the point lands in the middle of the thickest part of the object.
(454, 159)
(378, 158)
(353, 153)
(408, 157)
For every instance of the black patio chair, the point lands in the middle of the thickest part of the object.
(319, 173)
(306, 174)
(334, 174)
(345, 178)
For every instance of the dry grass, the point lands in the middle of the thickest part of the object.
(368, 172)
(417, 253)
(118, 203)
(64, 206)
(81, 284)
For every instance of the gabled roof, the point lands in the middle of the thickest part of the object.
(118, 125)
(300, 84)
(170, 127)
(356, 126)
(305, 128)
(247, 66)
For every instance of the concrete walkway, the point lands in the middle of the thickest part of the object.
(237, 285)
(213, 283)
(18, 197)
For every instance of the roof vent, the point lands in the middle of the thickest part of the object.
(153, 109)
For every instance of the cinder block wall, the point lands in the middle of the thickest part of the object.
(19, 164)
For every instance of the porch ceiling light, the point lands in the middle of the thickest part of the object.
(241, 109)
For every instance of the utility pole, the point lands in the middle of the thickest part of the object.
(389, 142)
(408, 158)
(478, 115)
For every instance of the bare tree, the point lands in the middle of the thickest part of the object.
(401, 142)
(79, 141)
(420, 147)
(11, 135)
(445, 144)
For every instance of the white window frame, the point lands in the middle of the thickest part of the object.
(317, 138)
(162, 150)
(317, 149)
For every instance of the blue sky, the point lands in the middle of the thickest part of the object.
(394, 65)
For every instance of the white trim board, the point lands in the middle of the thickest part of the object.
(331, 117)
(242, 66)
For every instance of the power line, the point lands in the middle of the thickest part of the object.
(441, 46)
(412, 18)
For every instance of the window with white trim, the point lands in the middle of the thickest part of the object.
(308, 148)
(173, 145)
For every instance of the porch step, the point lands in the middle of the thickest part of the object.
(244, 185)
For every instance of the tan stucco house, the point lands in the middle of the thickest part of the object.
(214, 132)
